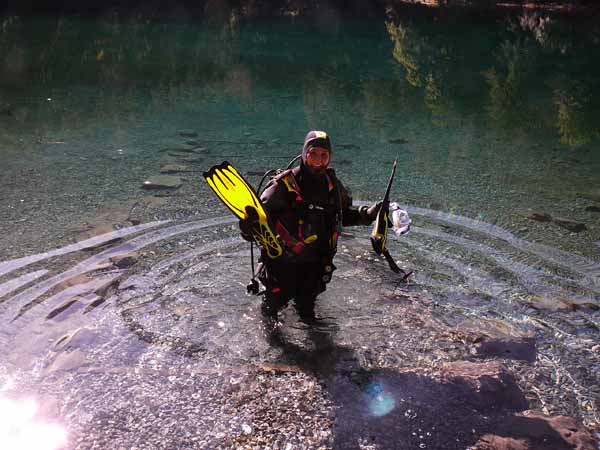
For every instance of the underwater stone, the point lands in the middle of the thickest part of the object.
(56, 311)
(491, 382)
(592, 208)
(174, 168)
(398, 140)
(184, 148)
(187, 133)
(162, 182)
(82, 337)
(68, 361)
(519, 349)
(532, 429)
(124, 261)
(592, 195)
(569, 224)
(539, 216)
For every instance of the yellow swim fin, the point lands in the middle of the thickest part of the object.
(237, 194)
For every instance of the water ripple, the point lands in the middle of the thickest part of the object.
(14, 264)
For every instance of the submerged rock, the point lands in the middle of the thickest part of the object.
(80, 338)
(545, 302)
(124, 261)
(178, 149)
(519, 349)
(578, 303)
(174, 168)
(67, 305)
(495, 387)
(539, 216)
(187, 133)
(162, 182)
(68, 361)
(592, 195)
(569, 224)
(592, 208)
(532, 430)
(398, 140)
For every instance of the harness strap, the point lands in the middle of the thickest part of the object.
(296, 246)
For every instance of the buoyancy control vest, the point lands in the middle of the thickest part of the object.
(308, 225)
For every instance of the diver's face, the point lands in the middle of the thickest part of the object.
(317, 159)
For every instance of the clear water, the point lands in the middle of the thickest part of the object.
(489, 118)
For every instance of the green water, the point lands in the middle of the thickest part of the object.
(487, 118)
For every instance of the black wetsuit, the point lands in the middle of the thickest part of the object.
(307, 211)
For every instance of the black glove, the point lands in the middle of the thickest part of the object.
(373, 210)
(249, 223)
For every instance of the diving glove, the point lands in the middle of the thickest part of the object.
(373, 210)
(369, 213)
(247, 224)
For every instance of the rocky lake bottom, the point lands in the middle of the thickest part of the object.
(139, 335)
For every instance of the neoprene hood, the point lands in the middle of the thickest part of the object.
(315, 139)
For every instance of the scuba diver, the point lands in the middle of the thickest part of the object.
(296, 223)
(307, 205)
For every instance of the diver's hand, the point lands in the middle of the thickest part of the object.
(248, 224)
(373, 210)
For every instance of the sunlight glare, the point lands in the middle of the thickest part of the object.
(20, 429)
(379, 400)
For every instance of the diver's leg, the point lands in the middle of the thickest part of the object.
(273, 302)
(305, 307)
(312, 286)
(277, 292)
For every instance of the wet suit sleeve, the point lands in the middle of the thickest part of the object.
(275, 200)
(352, 215)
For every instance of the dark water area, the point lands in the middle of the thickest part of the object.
(107, 287)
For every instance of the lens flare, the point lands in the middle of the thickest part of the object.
(21, 429)
(379, 401)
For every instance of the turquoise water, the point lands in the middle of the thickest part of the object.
(488, 118)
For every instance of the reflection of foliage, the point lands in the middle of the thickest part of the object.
(538, 25)
(505, 87)
(434, 99)
(403, 53)
(575, 121)
(545, 31)
(426, 65)
(122, 60)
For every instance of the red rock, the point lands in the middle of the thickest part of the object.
(495, 387)
(532, 430)
(508, 348)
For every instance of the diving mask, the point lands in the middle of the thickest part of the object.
(400, 219)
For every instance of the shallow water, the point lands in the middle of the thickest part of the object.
(488, 118)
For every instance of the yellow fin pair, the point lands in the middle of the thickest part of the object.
(237, 194)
